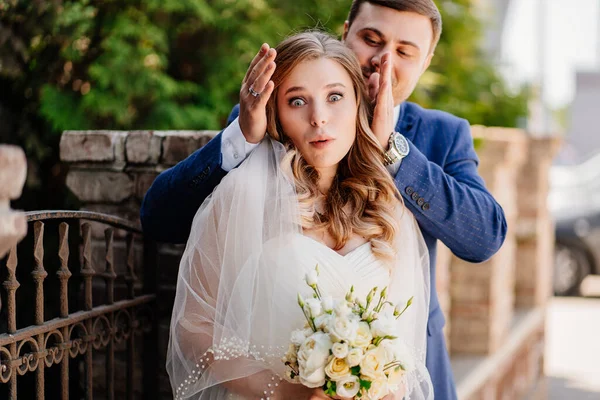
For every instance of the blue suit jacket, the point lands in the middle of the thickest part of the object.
(438, 180)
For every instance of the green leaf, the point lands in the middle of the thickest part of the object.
(355, 370)
(364, 384)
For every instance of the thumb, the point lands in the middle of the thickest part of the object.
(373, 86)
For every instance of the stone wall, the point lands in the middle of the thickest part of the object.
(110, 172)
(13, 171)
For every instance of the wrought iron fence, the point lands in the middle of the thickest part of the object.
(70, 340)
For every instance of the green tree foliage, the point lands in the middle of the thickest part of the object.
(178, 64)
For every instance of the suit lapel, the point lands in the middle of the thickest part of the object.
(407, 122)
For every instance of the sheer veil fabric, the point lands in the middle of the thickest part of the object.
(236, 300)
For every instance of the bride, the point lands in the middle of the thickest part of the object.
(315, 191)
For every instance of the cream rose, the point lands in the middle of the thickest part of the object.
(395, 378)
(337, 369)
(299, 336)
(363, 336)
(354, 357)
(312, 358)
(340, 350)
(348, 387)
(378, 390)
(373, 363)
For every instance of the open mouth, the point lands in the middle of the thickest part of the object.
(321, 143)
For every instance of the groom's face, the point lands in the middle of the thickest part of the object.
(406, 35)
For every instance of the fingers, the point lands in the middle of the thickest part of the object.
(263, 79)
(259, 56)
(260, 68)
(385, 80)
(373, 86)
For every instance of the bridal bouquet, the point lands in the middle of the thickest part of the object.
(348, 346)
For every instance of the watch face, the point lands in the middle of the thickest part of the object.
(401, 144)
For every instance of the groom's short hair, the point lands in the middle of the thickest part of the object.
(426, 8)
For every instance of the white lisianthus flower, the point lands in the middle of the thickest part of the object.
(340, 350)
(384, 325)
(299, 336)
(322, 322)
(378, 390)
(363, 336)
(337, 369)
(348, 387)
(312, 358)
(354, 357)
(313, 306)
(328, 304)
(312, 278)
(342, 309)
(373, 363)
(343, 328)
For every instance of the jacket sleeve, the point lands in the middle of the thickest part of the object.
(176, 194)
(452, 203)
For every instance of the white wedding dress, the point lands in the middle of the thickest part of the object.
(243, 267)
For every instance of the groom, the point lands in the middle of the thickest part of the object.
(430, 154)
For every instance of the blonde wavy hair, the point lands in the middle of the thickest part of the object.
(362, 183)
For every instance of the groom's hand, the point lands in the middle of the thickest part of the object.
(256, 90)
(383, 115)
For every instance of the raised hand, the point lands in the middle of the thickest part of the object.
(383, 115)
(257, 87)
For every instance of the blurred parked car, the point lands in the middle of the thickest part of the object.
(574, 202)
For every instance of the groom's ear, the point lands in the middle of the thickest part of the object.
(345, 34)
(427, 62)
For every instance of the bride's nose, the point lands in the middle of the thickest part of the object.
(318, 116)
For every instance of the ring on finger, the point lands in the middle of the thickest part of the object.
(253, 92)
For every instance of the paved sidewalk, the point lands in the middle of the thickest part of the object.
(573, 348)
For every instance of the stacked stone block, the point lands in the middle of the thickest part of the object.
(13, 171)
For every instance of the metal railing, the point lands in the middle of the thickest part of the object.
(88, 328)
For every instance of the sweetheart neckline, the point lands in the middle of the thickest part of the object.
(344, 256)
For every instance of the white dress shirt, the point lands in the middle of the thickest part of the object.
(235, 149)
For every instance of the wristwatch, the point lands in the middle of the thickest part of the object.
(398, 149)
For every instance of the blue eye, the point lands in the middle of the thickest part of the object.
(297, 102)
(335, 97)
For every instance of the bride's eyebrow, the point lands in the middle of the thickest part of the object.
(294, 89)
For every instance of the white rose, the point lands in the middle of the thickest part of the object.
(378, 390)
(354, 357)
(337, 369)
(312, 358)
(311, 278)
(299, 336)
(343, 328)
(313, 380)
(373, 363)
(348, 387)
(363, 336)
(327, 303)
(313, 306)
(340, 350)
(384, 325)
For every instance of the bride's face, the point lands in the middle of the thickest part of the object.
(317, 110)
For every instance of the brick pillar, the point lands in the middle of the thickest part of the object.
(13, 171)
(482, 295)
(535, 227)
(110, 171)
